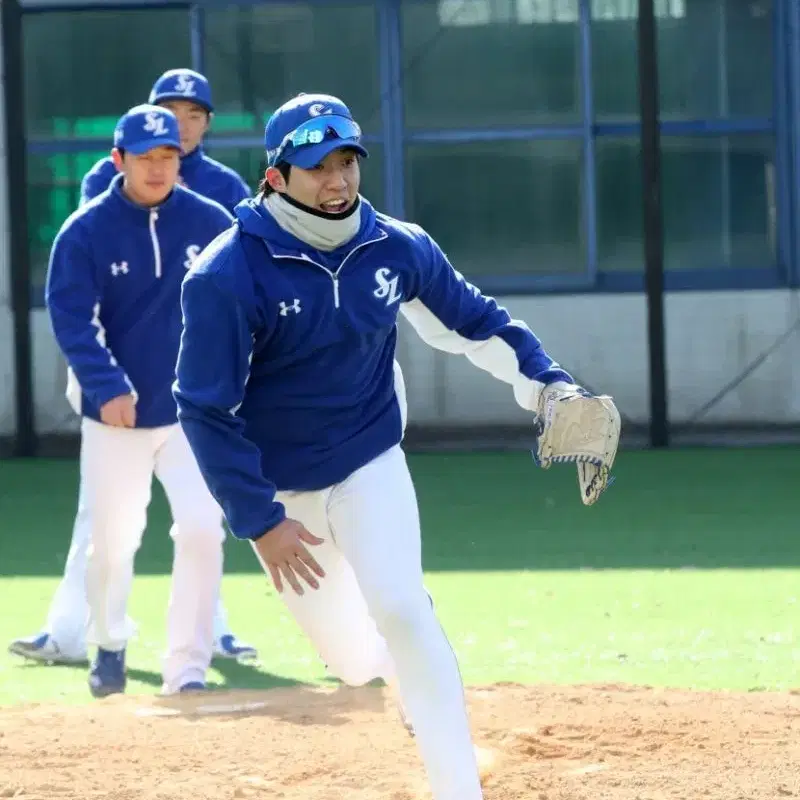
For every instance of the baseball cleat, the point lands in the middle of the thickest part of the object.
(43, 648)
(192, 687)
(107, 675)
(229, 646)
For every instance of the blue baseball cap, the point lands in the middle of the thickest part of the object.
(308, 127)
(145, 127)
(182, 84)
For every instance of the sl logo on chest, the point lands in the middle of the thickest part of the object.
(192, 251)
(387, 286)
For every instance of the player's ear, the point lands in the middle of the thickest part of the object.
(118, 157)
(275, 179)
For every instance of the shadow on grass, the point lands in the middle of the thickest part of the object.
(236, 675)
(702, 507)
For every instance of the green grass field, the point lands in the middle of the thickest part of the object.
(686, 573)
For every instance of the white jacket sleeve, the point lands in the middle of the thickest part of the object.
(452, 315)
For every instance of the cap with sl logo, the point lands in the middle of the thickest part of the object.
(307, 128)
(145, 127)
(182, 84)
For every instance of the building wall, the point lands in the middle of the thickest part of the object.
(711, 338)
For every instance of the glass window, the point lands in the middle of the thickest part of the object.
(718, 200)
(258, 56)
(249, 162)
(84, 69)
(500, 208)
(489, 62)
(715, 60)
(53, 193)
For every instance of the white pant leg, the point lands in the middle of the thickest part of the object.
(375, 521)
(335, 616)
(197, 535)
(68, 615)
(117, 474)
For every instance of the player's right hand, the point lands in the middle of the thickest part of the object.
(119, 412)
(283, 550)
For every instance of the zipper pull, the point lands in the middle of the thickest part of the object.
(335, 292)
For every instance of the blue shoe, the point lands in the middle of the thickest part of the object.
(229, 646)
(107, 675)
(43, 648)
(193, 686)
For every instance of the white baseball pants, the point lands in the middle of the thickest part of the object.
(68, 614)
(117, 467)
(372, 617)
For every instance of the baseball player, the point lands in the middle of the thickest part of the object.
(62, 640)
(112, 292)
(188, 95)
(287, 391)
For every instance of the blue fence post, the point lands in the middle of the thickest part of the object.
(197, 37)
(589, 161)
(391, 88)
(791, 14)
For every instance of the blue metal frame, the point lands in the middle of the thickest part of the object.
(197, 37)
(691, 127)
(784, 126)
(589, 163)
(391, 88)
(783, 145)
(791, 12)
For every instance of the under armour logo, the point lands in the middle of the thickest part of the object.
(184, 85)
(192, 251)
(155, 123)
(119, 269)
(318, 109)
(285, 309)
(387, 286)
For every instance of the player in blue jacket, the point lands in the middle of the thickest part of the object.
(188, 95)
(287, 392)
(113, 296)
(62, 639)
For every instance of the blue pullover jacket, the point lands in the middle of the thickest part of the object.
(113, 295)
(285, 374)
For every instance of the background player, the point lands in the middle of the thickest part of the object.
(188, 95)
(286, 391)
(112, 292)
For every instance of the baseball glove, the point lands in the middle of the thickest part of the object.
(574, 426)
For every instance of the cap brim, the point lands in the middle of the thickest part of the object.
(177, 96)
(150, 144)
(307, 157)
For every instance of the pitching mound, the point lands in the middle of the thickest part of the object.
(542, 743)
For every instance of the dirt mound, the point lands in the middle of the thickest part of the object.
(536, 743)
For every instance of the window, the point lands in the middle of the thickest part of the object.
(258, 56)
(500, 208)
(85, 69)
(715, 59)
(478, 63)
(250, 163)
(53, 194)
(718, 202)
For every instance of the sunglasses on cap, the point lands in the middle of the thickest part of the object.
(313, 132)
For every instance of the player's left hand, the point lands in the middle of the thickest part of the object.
(283, 549)
(575, 426)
